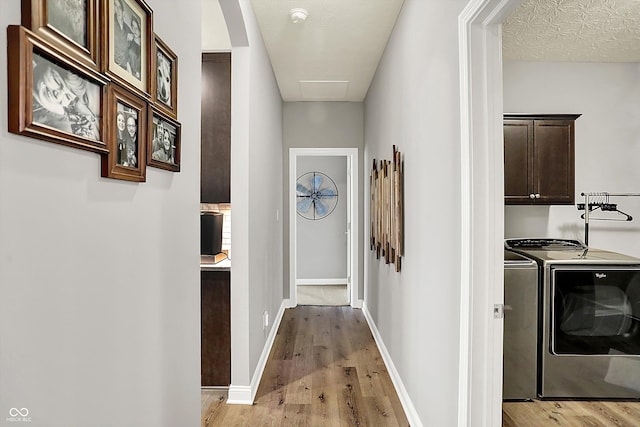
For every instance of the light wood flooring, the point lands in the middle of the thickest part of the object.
(324, 370)
(569, 413)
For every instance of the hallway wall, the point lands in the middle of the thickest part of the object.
(256, 180)
(413, 103)
(321, 125)
(99, 278)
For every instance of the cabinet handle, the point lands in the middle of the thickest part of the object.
(532, 196)
(537, 195)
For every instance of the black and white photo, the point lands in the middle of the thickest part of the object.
(127, 135)
(69, 17)
(72, 26)
(163, 78)
(64, 100)
(51, 95)
(129, 43)
(165, 84)
(163, 149)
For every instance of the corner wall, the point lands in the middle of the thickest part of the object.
(99, 278)
(256, 179)
(413, 103)
(607, 145)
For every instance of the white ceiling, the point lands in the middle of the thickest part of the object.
(573, 30)
(333, 55)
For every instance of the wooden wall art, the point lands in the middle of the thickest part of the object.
(386, 209)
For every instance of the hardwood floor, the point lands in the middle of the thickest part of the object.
(324, 370)
(571, 414)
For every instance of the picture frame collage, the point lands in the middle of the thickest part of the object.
(92, 74)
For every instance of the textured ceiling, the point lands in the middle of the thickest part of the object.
(333, 55)
(573, 30)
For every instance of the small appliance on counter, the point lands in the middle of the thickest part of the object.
(211, 235)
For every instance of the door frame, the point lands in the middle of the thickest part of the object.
(482, 211)
(353, 216)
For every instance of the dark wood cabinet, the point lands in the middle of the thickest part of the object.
(215, 312)
(539, 165)
(215, 165)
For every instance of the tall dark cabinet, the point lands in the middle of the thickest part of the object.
(539, 165)
(215, 320)
(215, 296)
(216, 128)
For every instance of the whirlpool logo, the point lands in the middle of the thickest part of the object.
(18, 415)
(600, 275)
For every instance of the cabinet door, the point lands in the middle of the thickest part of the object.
(215, 318)
(518, 161)
(553, 156)
(215, 168)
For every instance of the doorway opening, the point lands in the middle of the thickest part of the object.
(323, 225)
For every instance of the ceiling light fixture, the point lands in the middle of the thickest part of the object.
(298, 15)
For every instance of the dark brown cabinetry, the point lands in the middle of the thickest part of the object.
(215, 311)
(539, 166)
(216, 128)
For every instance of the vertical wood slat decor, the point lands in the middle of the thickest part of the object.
(386, 208)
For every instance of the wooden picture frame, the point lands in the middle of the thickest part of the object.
(164, 84)
(53, 97)
(164, 141)
(127, 135)
(70, 25)
(124, 60)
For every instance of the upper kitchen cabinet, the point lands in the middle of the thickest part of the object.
(539, 166)
(215, 172)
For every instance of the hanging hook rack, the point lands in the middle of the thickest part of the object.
(601, 201)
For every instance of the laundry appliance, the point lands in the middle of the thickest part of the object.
(588, 319)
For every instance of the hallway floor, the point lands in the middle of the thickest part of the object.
(324, 370)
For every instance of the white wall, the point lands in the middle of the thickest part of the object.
(413, 103)
(321, 125)
(607, 144)
(99, 278)
(256, 197)
(322, 243)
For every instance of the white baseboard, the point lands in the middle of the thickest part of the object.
(245, 395)
(321, 282)
(405, 400)
(357, 303)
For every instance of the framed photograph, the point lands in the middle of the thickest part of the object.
(127, 135)
(71, 25)
(51, 96)
(164, 141)
(164, 87)
(128, 35)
